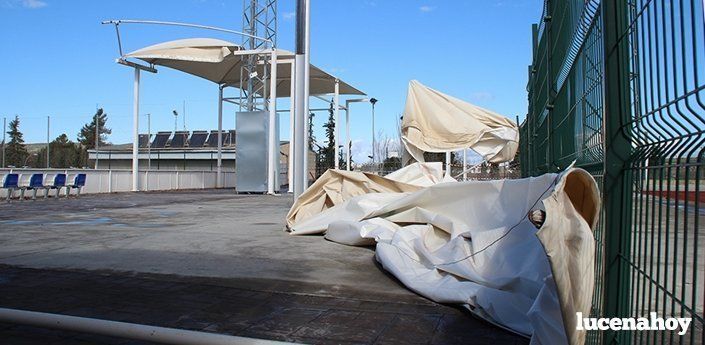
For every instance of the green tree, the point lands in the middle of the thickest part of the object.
(15, 152)
(311, 136)
(63, 153)
(86, 136)
(326, 153)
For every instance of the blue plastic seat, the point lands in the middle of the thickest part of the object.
(78, 182)
(58, 183)
(36, 181)
(11, 182)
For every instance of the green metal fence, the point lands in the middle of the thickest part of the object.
(619, 88)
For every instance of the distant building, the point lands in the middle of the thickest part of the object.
(181, 150)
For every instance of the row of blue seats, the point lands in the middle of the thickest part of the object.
(11, 182)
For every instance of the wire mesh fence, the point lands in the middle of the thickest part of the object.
(617, 87)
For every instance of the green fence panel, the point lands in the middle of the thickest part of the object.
(619, 88)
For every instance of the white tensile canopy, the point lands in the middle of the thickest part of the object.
(471, 243)
(221, 62)
(436, 122)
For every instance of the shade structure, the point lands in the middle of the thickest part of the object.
(221, 62)
(436, 122)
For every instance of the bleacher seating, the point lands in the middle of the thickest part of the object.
(10, 182)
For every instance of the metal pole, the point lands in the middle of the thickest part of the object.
(617, 181)
(336, 132)
(123, 329)
(465, 164)
(300, 104)
(347, 135)
(219, 169)
(183, 110)
(4, 132)
(149, 141)
(373, 135)
(448, 157)
(97, 136)
(48, 165)
(307, 68)
(273, 156)
(135, 132)
(292, 152)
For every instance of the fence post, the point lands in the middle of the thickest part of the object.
(617, 189)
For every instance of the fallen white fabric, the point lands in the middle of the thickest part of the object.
(471, 243)
(436, 122)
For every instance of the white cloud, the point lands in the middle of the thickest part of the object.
(289, 15)
(426, 8)
(33, 4)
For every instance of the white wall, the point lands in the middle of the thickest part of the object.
(110, 181)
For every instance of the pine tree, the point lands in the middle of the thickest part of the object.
(63, 154)
(87, 134)
(327, 153)
(15, 152)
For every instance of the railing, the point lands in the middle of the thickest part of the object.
(111, 181)
(619, 87)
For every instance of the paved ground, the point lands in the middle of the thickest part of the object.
(207, 260)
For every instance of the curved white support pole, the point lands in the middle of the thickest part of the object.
(123, 329)
(292, 109)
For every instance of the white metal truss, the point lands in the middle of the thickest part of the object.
(259, 19)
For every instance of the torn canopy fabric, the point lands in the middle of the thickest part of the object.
(471, 243)
(337, 186)
(436, 122)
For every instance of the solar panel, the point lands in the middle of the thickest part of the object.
(179, 139)
(160, 140)
(198, 138)
(213, 139)
(143, 141)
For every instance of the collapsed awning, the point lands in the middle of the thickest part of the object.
(436, 122)
(218, 61)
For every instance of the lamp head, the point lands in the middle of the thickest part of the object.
(373, 101)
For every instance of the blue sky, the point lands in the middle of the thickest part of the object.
(56, 59)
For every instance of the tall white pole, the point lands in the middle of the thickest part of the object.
(219, 169)
(48, 165)
(448, 156)
(347, 136)
(307, 65)
(272, 140)
(336, 133)
(135, 132)
(290, 169)
(301, 111)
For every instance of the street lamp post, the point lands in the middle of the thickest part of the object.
(347, 128)
(373, 101)
(176, 117)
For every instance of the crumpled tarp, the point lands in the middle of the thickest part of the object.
(436, 122)
(471, 243)
(336, 186)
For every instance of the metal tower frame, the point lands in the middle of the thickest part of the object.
(259, 19)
